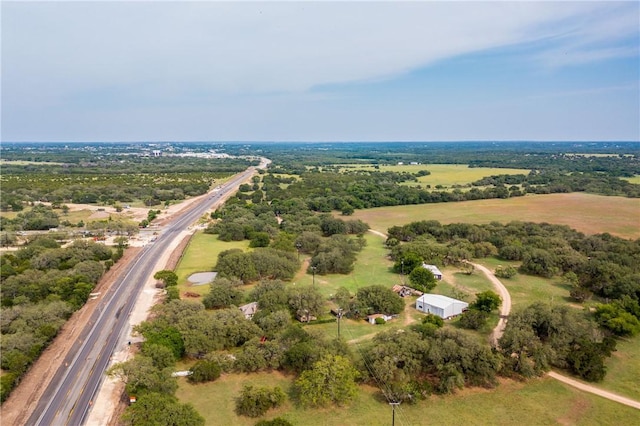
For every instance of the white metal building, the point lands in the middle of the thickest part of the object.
(434, 270)
(442, 306)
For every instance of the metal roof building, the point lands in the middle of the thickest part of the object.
(442, 306)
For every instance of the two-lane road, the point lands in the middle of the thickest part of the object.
(68, 398)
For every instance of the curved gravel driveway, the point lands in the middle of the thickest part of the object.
(505, 308)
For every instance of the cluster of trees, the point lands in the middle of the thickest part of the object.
(284, 234)
(261, 263)
(553, 181)
(272, 296)
(478, 313)
(38, 218)
(602, 265)
(369, 300)
(42, 284)
(326, 191)
(543, 335)
(412, 364)
(224, 340)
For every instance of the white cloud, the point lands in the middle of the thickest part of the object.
(103, 69)
(63, 48)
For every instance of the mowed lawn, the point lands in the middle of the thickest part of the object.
(586, 213)
(201, 255)
(537, 402)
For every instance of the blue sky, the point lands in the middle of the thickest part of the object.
(320, 71)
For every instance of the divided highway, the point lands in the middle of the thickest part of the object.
(68, 398)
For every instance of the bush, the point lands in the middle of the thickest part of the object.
(7, 383)
(508, 272)
(256, 401)
(380, 320)
(205, 371)
(473, 319)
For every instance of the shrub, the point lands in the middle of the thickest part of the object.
(256, 401)
(505, 272)
(7, 383)
(205, 371)
(473, 319)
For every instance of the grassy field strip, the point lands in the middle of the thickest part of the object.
(537, 402)
(441, 174)
(588, 213)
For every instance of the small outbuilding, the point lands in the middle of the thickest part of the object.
(442, 306)
(372, 318)
(434, 270)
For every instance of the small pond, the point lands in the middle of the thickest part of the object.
(201, 278)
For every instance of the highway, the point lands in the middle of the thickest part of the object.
(68, 398)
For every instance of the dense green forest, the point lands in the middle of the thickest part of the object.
(42, 285)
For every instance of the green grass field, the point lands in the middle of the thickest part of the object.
(623, 369)
(372, 267)
(537, 402)
(586, 213)
(442, 174)
(201, 256)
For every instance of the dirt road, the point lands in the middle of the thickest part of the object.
(505, 308)
(594, 390)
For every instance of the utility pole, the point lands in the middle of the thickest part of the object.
(339, 316)
(313, 270)
(402, 270)
(393, 415)
(298, 246)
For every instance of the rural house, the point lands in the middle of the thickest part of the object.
(434, 270)
(249, 309)
(442, 306)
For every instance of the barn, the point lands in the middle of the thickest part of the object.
(442, 306)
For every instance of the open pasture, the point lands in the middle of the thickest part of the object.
(635, 179)
(623, 369)
(441, 174)
(538, 402)
(588, 213)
